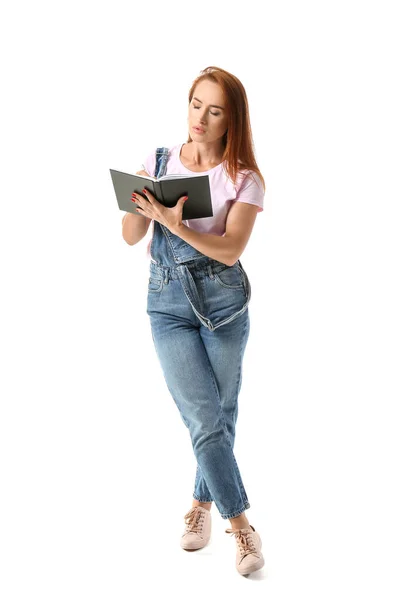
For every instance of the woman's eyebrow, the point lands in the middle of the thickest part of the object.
(215, 105)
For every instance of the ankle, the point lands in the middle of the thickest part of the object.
(206, 505)
(240, 522)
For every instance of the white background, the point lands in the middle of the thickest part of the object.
(97, 469)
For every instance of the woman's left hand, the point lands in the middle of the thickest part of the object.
(151, 208)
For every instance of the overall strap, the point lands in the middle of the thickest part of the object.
(161, 161)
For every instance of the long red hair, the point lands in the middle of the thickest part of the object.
(238, 139)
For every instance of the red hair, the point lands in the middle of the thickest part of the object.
(238, 139)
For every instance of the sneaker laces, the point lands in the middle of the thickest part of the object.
(244, 540)
(194, 520)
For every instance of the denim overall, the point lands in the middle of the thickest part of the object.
(198, 309)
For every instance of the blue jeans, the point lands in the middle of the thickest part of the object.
(199, 317)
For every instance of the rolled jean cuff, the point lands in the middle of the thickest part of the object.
(201, 499)
(236, 513)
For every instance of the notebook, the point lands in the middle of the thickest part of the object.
(167, 190)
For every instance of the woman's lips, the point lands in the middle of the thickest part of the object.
(197, 130)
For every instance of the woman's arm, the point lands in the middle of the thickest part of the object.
(228, 248)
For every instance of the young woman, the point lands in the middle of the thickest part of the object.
(198, 296)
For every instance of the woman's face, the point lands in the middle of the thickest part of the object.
(206, 111)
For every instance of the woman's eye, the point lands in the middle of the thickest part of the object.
(215, 114)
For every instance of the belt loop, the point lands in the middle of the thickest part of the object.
(166, 274)
(210, 271)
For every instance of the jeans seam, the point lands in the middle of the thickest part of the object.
(235, 408)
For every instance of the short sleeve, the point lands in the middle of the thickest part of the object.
(149, 164)
(250, 190)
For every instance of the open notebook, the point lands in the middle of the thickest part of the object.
(167, 190)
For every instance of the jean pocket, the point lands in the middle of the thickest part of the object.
(231, 278)
(155, 284)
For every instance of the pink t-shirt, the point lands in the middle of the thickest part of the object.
(223, 192)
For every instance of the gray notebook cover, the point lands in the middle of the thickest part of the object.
(167, 192)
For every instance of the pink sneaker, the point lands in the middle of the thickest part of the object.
(248, 556)
(198, 528)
